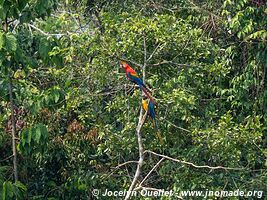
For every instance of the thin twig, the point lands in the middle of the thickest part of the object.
(183, 129)
(145, 60)
(6, 158)
(126, 163)
(170, 62)
(44, 33)
(151, 171)
(155, 50)
(121, 165)
(192, 164)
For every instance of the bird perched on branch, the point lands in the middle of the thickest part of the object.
(133, 76)
(149, 107)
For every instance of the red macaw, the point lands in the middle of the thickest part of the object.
(133, 76)
(149, 107)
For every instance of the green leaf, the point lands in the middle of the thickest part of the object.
(40, 131)
(26, 137)
(4, 90)
(21, 186)
(29, 136)
(10, 190)
(10, 42)
(2, 11)
(56, 96)
(7, 192)
(38, 134)
(44, 130)
(44, 48)
(22, 4)
(1, 40)
(4, 191)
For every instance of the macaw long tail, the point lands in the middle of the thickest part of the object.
(157, 131)
(148, 95)
(160, 138)
(155, 124)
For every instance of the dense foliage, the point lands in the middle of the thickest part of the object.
(76, 113)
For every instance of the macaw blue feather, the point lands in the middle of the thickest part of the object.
(151, 112)
(136, 80)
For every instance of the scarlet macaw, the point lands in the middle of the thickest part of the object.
(149, 107)
(133, 76)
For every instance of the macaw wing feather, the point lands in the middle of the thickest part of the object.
(151, 109)
(135, 79)
(134, 74)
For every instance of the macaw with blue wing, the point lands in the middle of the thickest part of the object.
(133, 76)
(149, 107)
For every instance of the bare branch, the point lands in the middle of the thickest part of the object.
(121, 165)
(145, 60)
(6, 158)
(155, 50)
(183, 129)
(141, 152)
(13, 121)
(126, 163)
(141, 122)
(151, 171)
(44, 33)
(192, 164)
(170, 62)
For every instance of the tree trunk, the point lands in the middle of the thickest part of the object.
(13, 122)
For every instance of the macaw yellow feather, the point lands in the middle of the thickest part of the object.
(145, 104)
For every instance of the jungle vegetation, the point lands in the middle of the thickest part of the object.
(71, 122)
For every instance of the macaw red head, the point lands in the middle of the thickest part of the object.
(123, 64)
